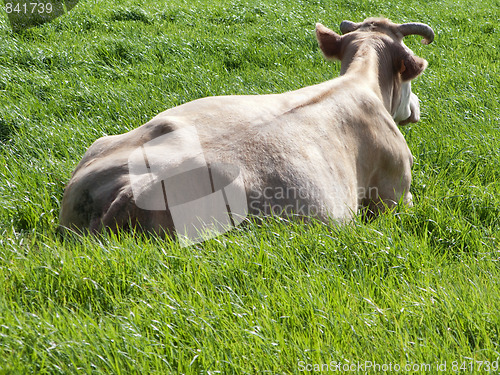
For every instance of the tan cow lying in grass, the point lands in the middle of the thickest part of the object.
(325, 151)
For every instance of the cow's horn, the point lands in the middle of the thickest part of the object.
(348, 26)
(416, 28)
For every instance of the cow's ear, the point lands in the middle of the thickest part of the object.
(411, 66)
(329, 41)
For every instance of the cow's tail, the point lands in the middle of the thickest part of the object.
(118, 215)
(123, 214)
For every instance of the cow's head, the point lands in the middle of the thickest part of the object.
(397, 65)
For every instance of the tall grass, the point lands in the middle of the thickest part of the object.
(416, 287)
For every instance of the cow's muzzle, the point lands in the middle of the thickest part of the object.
(409, 108)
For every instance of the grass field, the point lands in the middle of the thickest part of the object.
(418, 287)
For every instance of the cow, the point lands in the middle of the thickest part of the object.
(325, 151)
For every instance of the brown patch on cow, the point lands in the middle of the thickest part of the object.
(85, 206)
(161, 128)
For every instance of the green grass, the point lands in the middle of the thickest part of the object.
(417, 287)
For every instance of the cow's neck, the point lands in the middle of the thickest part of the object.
(373, 69)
